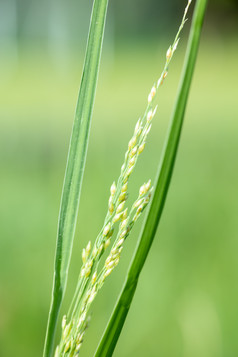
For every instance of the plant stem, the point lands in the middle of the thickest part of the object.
(116, 322)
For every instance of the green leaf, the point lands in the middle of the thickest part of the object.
(116, 322)
(75, 166)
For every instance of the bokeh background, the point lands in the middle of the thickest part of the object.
(186, 301)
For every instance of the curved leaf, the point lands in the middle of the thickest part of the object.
(75, 166)
(116, 322)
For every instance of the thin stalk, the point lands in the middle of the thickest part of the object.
(75, 167)
(116, 322)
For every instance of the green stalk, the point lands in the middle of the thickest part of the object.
(75, 167)
(116, 322)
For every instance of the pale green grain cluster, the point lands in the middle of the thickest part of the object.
(119, 217)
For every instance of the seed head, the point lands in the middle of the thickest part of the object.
(138, 202)
(79, 338)
(108, 260)
(107, 243)
(116, 217)
(140, 208)
(124, 187)
(136, 216)
(110, 264)
(123, 224)
(110, 208)
(95, 252)
(123, 234)
(169, 53)
(63, 322)
(110, 233)
(134, 151)
(165, 74)
(132, 161)
(121, 241)
(137, 127)
(100, 249)
(78, 347)
(81, 319)
(84, 255)
(122, 197)
(149, 116)
(152, 94)
(175, 46)
(142, 190)
(57, 352)
(160, 81)
(107, 229)
(129, 172)
(108, 272)
(82, 272)
(116, 261)
(114, 251)
(120, 207)
(88, 248)
(113, 189)
(125, 213)
(68, 346)
(94, 277)
(87, 269)
(141, 148)
(148, 185)
(132, 143)
(92, 295)
(67, 330)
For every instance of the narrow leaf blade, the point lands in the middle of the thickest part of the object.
(116, 322)
(75, 166)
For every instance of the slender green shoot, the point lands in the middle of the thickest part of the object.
(116, 322)
(75, 167)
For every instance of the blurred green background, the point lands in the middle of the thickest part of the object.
(186, 301)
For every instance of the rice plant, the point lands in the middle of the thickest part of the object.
(100, 258)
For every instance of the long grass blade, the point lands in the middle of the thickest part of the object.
(75, 166)
(116, 322)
